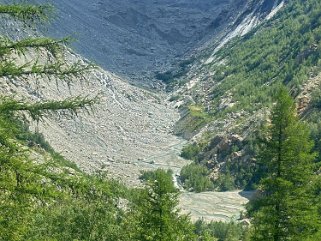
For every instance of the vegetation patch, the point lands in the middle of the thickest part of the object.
(195, 178)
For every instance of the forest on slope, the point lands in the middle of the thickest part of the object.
(234, 88)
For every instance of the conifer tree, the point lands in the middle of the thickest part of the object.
(23, 183)
(285, 207)
(157, 215)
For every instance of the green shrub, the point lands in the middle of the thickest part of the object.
(190, 151)
(222, 231)
(152, 175)
(195, 176)
(225, 182)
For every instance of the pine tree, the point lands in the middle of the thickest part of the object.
(156, 212)
(284, 208)
(25, 184)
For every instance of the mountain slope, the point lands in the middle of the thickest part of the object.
(132, 129)
(230, 90)
(138, 38)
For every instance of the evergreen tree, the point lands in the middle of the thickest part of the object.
(157, 214)
(285, 207)
(25, 184)
(89, 214)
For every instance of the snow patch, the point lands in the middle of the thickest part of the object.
(210, 60)
(243, 28)
(274, 11)
(248, 23)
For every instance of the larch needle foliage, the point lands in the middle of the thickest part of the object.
(24, 183)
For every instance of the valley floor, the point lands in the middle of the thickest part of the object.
(130, 131)
(214, 206)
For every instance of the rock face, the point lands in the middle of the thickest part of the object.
(303, 100)
(136, 38)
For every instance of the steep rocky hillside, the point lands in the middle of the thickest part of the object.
(229, 89)
(138, 38)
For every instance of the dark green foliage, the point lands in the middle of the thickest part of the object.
(47, 200)
(156, 214)
(37, 110)
(195, 177)
(53, 46)
(225, 182)
(222, 231)
(150, 176)
(191, 151)
(8, 68)
(90, 213)
(275, 54)
(285, 207)
(27, 12)
(236, 173)
(239, 173)
(313, 117)
(31, 188)
(284, 50)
